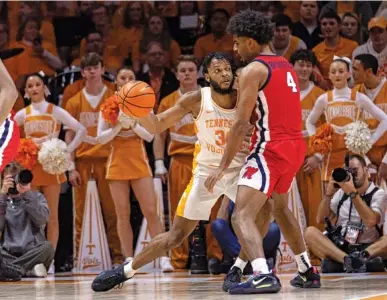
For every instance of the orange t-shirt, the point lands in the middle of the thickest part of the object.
(208, 43)
(324, 54)
(28, 62)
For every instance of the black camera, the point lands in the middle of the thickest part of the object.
(334, 234)
(342, 174)
(24, 177)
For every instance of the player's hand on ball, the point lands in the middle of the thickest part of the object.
(126, 121)
(212, 179)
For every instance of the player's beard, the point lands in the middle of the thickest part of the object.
(219, 90)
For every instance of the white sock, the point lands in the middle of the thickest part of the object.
(303, 262)
(128, 270)
(240, 264)
(260, 266)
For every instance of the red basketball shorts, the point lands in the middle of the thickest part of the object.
(9, 141)
(273, 165)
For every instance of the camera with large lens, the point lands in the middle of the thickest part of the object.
(334, 234)
(342, 175)
(24, 177)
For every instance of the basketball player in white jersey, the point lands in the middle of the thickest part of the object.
(213, 109)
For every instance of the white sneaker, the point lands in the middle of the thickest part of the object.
(165, 264)
(128, 259)
(39, 271)
(51, 270)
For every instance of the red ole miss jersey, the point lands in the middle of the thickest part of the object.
(9, 140)
(278, 105)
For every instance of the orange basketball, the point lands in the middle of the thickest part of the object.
(136, 99)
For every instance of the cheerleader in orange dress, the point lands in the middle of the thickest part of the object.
(127, 167)
(42, 121)
(341, 107)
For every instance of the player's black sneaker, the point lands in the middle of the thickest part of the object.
(258, 284)
(233, 278)
(307, 280)
(107, 280)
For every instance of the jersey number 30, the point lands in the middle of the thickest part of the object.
(222, 137)
(290, 82)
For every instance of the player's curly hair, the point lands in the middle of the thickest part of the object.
(252, 24)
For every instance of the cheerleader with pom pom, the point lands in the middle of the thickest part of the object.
(342, 107)
(127, 167)
(42, 122)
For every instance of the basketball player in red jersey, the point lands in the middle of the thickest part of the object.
(268, 89)
(9, 131)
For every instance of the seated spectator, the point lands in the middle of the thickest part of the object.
(32, 9)
(185, 28)
(332, 45)
(361, 8)
(156, 30)
(284, 43)
(94, 43)
(358, 207)
(130, 30)
(377, 43)
(23, 217)
(162, 80)
(351, 28)
(216, 41)
(228, 241)
(308, 29)
(38, 54)
(292, 9)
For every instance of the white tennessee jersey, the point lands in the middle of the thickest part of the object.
(213, 125)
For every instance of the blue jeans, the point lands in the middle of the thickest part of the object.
(228, 241)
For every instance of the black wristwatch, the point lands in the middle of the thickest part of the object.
(353, 195)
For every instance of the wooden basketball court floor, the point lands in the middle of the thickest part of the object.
(183, 286)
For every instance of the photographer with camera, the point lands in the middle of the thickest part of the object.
(354, 243)
(23, 217)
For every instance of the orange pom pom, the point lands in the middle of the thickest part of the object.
(110, 110)
(27, 154)
(321, 142)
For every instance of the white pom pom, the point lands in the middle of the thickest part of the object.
(53, 156)
(358, 138)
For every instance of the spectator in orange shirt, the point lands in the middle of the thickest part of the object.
(32, 9)
(333, 44)
(155, 31)
(38, 54)
(130, 30)
(284, 43)
(94, 43)
(216, 41)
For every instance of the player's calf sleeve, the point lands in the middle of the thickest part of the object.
(271, 241)
(225, 237)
